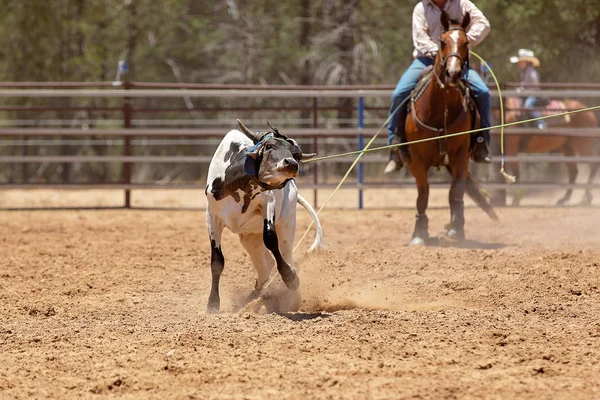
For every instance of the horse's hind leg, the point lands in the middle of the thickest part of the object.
(421, 232)
(587, 198)
(567, 150)
(587, 149)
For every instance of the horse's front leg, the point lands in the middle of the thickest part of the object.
(421, 232)
(456, 229)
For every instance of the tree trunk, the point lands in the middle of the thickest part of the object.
(346, 18)
(306, 71)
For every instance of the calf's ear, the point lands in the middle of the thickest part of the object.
(308, 156)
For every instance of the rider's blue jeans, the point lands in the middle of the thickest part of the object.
(531, 102)
(409, 79)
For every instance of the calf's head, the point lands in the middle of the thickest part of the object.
(274, 158)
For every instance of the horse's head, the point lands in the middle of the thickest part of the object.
(454, 48)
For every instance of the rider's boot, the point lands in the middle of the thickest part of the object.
(395, 163)
(481, 152)
(398, 155)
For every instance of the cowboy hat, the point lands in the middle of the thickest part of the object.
(526, 55)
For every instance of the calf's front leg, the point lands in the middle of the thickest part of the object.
(288, 274)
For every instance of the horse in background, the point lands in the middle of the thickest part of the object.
(544, 143)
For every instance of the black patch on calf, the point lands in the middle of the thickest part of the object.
(235, 178)
(270, 237)
(217, 264)
(217, 261)
(249, 196)
(234, 148)
(288, 275)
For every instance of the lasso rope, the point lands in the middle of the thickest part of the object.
(350, 153)
(509, 178)
(360, 154)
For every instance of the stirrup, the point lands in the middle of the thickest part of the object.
(395, 163)
(481, 153)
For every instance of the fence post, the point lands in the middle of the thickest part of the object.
(126, 170)
(315, 112)
(361, 139)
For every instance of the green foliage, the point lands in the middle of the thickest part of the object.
(261, 41)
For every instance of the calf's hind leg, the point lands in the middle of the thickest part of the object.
(217, 261)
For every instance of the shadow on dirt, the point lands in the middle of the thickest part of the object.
(304, 316)
(465, 244)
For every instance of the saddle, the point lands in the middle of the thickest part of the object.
(553, 108)
(425, 78)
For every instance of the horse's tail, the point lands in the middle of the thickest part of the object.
(475, 194)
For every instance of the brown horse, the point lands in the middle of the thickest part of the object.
(567, 145)
(442, 106)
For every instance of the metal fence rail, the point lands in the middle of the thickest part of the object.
(130, 134)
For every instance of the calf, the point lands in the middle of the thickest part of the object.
(251, 191)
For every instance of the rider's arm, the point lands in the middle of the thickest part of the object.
(421, 39)
(480, 26)
(532, 78)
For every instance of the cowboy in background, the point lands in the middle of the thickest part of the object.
(426, 30)
(530, 78)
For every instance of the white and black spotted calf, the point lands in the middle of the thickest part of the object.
(251, 191)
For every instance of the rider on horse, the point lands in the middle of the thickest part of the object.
(426, 30)
(530, 78)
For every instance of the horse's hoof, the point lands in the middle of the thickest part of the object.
(561, 203)
(586, 201)
(455, 235)
(417, 242)
(291, 280)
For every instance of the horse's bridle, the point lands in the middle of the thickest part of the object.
(464, 65)
(463, 62)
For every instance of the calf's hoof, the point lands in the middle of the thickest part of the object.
(214, 303)
(212, 309)
(291, 279)
(417, 242)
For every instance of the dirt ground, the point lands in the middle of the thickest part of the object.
(110, 304)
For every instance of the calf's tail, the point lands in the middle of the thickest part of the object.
(318, 244)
